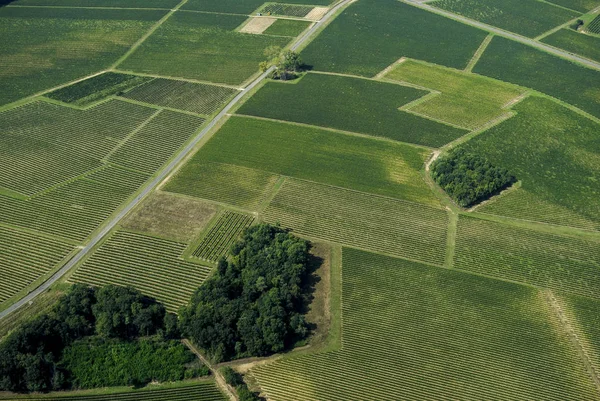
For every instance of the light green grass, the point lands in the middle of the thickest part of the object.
(466, 100)
(520, 254)
(202, 46)
(555, 152)
(575, 42)
(361, 220)
(287, 27)
(416, 332)
(350, 104)
(380, 167)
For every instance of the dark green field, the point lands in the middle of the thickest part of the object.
(164, 4)
(242, 6)
(351, 104)
(575, 42)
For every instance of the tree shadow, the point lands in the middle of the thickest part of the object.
(309, 287)
(6, 2)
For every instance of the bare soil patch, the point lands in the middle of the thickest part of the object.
(317, 13)
(258, 25)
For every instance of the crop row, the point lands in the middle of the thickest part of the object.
(594, 26)
(203, 391)
(152, 265)
(290, 10)
(361, 220)
(457, 336)
(543, 259)
(194, 97)
(25, 258)
(151, 146)
(222, 235)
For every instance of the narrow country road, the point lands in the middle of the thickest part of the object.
(164, 172)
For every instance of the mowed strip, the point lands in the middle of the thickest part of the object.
(351, 104)
(543, 259)
(152, 265)
(424, 333)
(370, 222)
(381, 167)
(25, 258)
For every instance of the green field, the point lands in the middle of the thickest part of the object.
(193, 97)
(522, 65)
(350, 104)
(466, 100)
(221, 236)
(525, 17)
(584, 315)
(151, 265)
(577, 5)
(286, 27)
(82, 41)
(594, 26)
(548, 260)
(575, 42)
(359, 41)
(555, 152)
(371, 222)
(25, 258)
(415, 332)
(202, 46)
(291, 10)
(164, 4)
(242, 6)
(96, 88)
(237, 186)
(364, 164)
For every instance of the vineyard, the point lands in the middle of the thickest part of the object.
(526, 17)
(286, 27)
(577, 5)
(466, 100)
(548, 260)
(165, 4)
(193, 97)
(361, 220)
(198, 391)
(219, 239)
(351, 104)
(594, 26)
(241, 6)
(152, 265)
(25, 258)
(290, 10)
(350, 161)
(418, 332)
(575, 42)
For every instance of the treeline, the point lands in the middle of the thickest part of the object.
(469, 178)
(32, 358)
(252, 305)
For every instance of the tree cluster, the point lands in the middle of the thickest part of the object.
(287, 64)
(236, 380)
(252, 305)
(469, 178)
(30, 356)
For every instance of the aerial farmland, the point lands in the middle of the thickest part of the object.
(299, 200)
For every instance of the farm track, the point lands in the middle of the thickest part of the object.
(167, 170)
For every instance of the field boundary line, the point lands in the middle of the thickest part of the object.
(93, 8)
(141, 40)
(191, 80)
(160, 108)
(477, 131)
(563, 7)
(479, 52)
(268, 198)
(137, 129)
(212, 202)
(451, 240)
(389, 68)
(556, 28)
(573, 335)
(32, 231)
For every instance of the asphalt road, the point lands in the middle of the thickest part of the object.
(162, 175)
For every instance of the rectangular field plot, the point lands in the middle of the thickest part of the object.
(49, 47)
(73, 142)
(242, 6)
(25, 258)
(164, 4)
(381, 167)
(151, 146)
(291, 10)
(204, 47)
(555, 152)
(359, 41)
(350, 104)
(525, 17)
(152, 265)
(216, 243)
(286, 27)
(584, 316)
(96, 88)
(237, 186)
(466, 100)
(182, 95)
(522, 65)
(423, 333)
(547, 260)
(575, 42)
(375, 223)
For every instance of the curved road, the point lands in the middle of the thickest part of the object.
(164, 172)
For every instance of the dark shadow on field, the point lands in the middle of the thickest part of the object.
(6, 2)
(309, 287)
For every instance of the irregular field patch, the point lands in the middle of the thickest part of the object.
(381, 167)
(189, 96)
(547, 260)
(351, 218)
(466, 100)
(576, 42)
(358, 41)
(152, 265)
(523, 65)
(428, 333)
